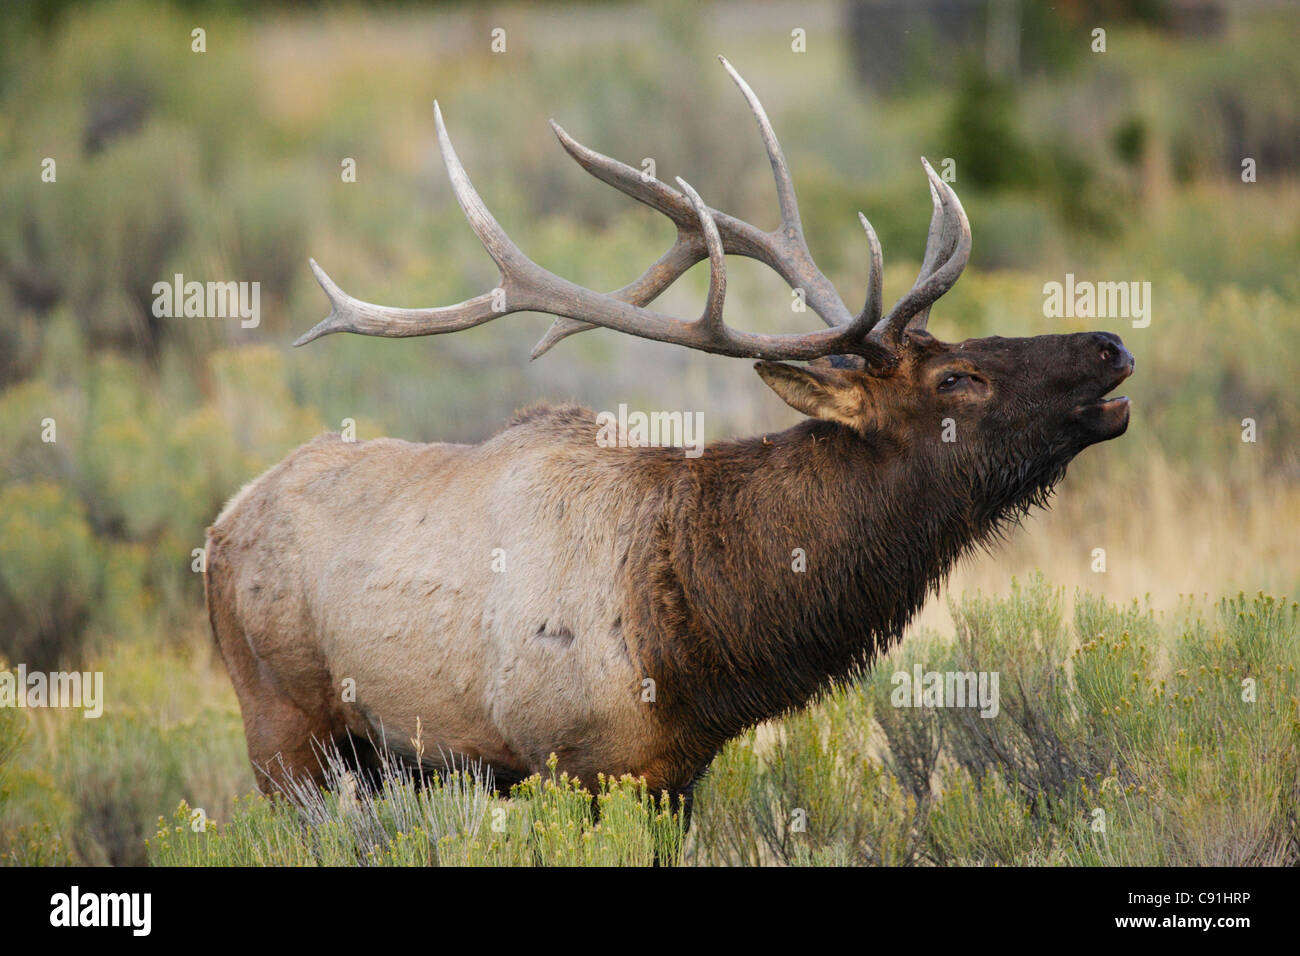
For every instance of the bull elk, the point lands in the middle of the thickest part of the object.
(373, 560)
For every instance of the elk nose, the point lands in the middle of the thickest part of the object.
(1110, 349)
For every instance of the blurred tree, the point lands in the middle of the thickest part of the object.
(983, 132)
(899, 45)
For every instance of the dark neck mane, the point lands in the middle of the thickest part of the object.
(737, 635)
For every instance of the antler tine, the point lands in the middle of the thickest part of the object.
(352, 315)
(870, 313)
(686, 250)
(666, 270)
(941, 240)
(632, 182)
(780, 172)
(529, 287)
(789, 235)
(711, 318)
(348, 314)
(947, 250)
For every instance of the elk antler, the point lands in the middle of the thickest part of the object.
(947, 250)
(701, 233)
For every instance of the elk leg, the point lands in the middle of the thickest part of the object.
(683, 803)
(284, 740)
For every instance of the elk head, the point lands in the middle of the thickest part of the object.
(998, 417)
(1002, 415)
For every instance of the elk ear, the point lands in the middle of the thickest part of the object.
(831, 394)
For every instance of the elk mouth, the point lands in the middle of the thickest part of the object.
(1103, 419)
(1106, 418)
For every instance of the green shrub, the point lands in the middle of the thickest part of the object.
(452, 819)
(49, 574)
(119, 772)
(1122, 740)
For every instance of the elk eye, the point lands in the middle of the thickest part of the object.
(950, 382)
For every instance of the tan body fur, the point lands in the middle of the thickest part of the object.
(375, 561)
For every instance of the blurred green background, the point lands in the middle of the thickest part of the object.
(1123, 165)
